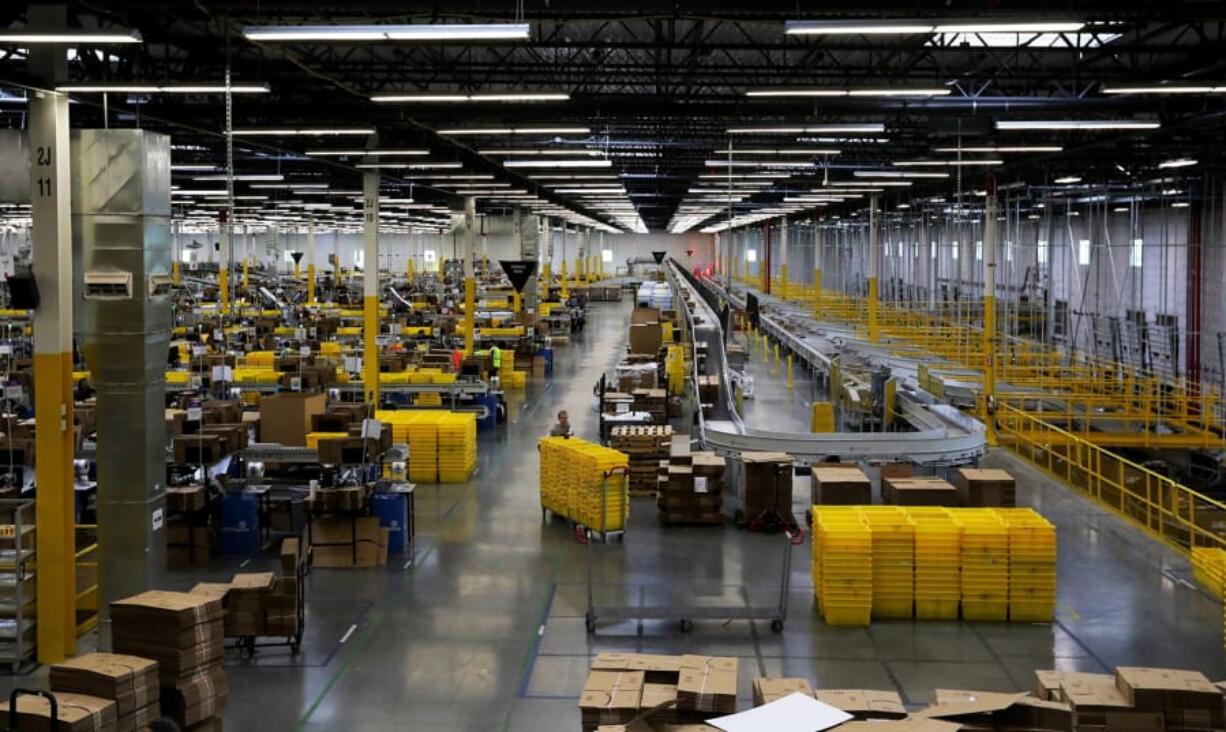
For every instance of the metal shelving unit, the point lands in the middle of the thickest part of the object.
(17, 592)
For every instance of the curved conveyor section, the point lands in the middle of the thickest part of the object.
(942, 436)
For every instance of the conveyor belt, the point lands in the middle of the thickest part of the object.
(943, 436)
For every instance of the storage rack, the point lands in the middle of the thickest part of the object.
(17, 598)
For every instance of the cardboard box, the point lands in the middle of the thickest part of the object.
(1047, 684)
(157, 611)
(219, 590)
(76, 713)
(1029, 713)
(768, 483)
(291, 556)
(286, 418)
(840, 486)
(658, 669)
(919, 492)
(197, 449)
(332, 541)
(864, 703)
(767, 690)
(185, 499)
(1186, 699)
(173, 662)
(610, 697)
(1095, 696)
(248, 604)
(982, 488)
(707, 684)
(646, 338)
(233, 435)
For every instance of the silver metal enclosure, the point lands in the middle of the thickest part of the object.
(121, 225)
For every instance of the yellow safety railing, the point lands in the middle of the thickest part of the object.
(87, 578)
(1163, 508)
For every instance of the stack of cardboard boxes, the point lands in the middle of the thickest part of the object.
(282, 618)
(985, 488)
(768, 485)
(840, 485)
(74, 713)
(129, 681)
(692, 487)
(184, 633)
(652, 401)
(247, 604)
(918, 492)
(645, 445)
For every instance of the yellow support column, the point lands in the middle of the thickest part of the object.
(467, 249)
(823, 417)
(311, 261)
(783, 283)
(370, 288)
(310, 282)
(544, 283)
(51, 237)
(776, 358)
(517, 302)
(176, 273)
(989, 310)
(470, 311)
(565, 283)
(817, 293)
(223, 266)
(789, 371)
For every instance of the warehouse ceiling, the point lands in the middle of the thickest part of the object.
(639, 98)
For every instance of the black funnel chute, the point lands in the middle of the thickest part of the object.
(659, 257)
(518, 271)
(297, 256)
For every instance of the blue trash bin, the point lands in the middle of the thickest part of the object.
(490, 420)
(393, 513)
(240, 524)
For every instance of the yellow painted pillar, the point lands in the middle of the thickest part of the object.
(783, 258)
(789, 371)
(246, 273)
(176, 273)
(776, 358)
(370, 287)
(823, 417)
(311, 261)
(989, 309)
(310, 283)
(546, 279)
(565, 282)
(51, 237)
(783, 284)
(470, 312)
(817, 293)
(517, 302)
(223, 267)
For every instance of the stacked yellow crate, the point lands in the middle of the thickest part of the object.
(457, 446)
(985, 565)
(313, 438)
(260, 359)
(512, 379)
(602, 500)
(893, 561)
(422, 432)
(845, 551)
(428, 399)
(553, 475)
(1208, 565)
(938, 562)
(1032, 565)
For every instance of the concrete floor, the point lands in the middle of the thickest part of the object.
(487, 632)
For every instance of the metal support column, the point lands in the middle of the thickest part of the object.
(311, 261)
(370, 287)
(989, 308)
(874, 255)
(468, 236)
(51, 238)
(223, 261)
(817, 269)
(565, 283)
(783, 258)
(764, 262)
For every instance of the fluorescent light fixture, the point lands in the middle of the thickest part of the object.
(839, 128)
(780, 151)
(190, 167)
(515, 131)
(9, 38)
(897, 174)
(587, 191)
(243, 176)
(1177, 163)
(139, 87)
(947, 163)
(854, 27)
(558, 164)
(199, 192)
(1001, 149)
(514, 151)
(1019, 26)
(300, 131)
(368, 33)
(1164, 89)
(409, 166)
(867, 92)
(1179, 204)
(375, 152)
(493, 97)
(1068, 179)
(1075, 124)
(903, 206)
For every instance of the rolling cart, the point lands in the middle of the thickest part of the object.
(248, 645)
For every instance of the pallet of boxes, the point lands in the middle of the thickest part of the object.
(692, 488)
(646, 446)
(672, 690)
(184, 634)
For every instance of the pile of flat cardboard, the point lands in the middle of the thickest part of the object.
(129, 681)
(645, 445)
(247, 604)
(184, 633)
(840, 485)
(767, 690)
(672, 690)
(692, 491)
(74, 713)
(985, 488)
(652, 401)
(282, 617)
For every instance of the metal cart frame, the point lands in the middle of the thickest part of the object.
(777, 615)
(247, 645)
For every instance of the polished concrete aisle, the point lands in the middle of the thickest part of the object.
(486, 631)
